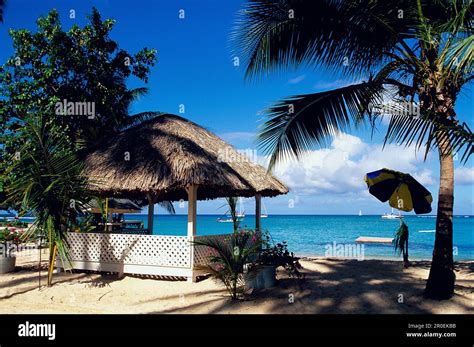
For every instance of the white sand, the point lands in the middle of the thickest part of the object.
(331, 286)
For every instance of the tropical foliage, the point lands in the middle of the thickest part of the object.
(393, 53)
(40, 170)
(232, 210)
(12, 224)
(78, 65)
(400, 242)
(51, 186)
(10, 237)
(277, 254)
(228, 258)
(82, 66)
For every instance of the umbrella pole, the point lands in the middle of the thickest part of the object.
(406, 244)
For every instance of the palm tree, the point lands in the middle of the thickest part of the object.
(232, 202)
(229, 258)
(50, 185)
(407, 51)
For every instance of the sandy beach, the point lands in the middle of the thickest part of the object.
(331, 286)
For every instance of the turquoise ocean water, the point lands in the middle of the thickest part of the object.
(310, 235)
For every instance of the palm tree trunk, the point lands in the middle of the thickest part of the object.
(441, 280)
(234, 288)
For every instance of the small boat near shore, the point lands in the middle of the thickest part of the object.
(392, 215)
(228, 218)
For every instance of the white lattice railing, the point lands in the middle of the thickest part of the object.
(125, 253)
(137, 254)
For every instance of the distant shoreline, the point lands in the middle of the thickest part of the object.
(322, 257)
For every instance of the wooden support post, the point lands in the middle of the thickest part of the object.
(151, 211)
(258, 212)
(192, 206)
(110, 226)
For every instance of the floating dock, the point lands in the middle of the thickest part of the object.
(368, 239)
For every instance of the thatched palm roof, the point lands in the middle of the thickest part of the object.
(162, 156)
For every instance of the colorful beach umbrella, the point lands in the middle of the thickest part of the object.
(401, 190)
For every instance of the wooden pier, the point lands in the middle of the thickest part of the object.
(368, 239)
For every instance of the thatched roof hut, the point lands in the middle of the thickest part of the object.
(161, 157)
(170, 158)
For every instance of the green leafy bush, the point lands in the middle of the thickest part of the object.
(277, 254)
(229, 257)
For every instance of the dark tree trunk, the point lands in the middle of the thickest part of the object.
(406, 263)
(441, 280)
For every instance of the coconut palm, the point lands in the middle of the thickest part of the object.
(231, 203)
(51, 185)
(405, 52)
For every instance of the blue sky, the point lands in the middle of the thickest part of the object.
(195, 69)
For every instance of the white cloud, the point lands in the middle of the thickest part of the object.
(340, 169)
(425, 177)
(297, 79)
(464, 175)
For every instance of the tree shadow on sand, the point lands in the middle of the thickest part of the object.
(342, 288)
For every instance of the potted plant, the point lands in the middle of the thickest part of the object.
(14, 223)
(274, 255)
(8, 238)
(253, 280)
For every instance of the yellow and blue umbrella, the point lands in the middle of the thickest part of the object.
(401, 190)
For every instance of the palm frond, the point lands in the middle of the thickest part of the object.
(137, 93)
(168, 206)
(229, 258)
(297, 124)
(430, 132)
(401, 238)
(460, 56)
(50, 185)
(139, 118)
(324, 33)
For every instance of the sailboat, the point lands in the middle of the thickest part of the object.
(392, 215)
(264, 214)
(240, 215)
(360, 213)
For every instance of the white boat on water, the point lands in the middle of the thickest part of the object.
(392, 215)
(360, 213)
(264, 214)
(227, 219)
(240, 215)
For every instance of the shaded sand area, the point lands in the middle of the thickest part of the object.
(331, 286)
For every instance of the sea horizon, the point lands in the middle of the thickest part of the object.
(318, 235)
(273, 214)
